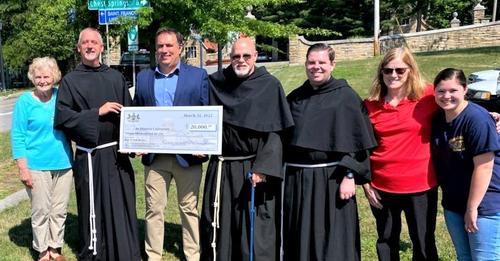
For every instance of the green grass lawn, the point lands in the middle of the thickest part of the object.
(360, 73)
(15, 226)
(15, 230)
(9, 179)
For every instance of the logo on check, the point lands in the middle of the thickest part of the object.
(133, 117)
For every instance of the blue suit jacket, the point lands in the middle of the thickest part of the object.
(191, 90)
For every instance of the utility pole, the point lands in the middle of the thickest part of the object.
(376, 28)
(494, 18)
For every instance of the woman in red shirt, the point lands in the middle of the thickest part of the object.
(401, 107)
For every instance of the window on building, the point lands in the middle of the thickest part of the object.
(191, 52)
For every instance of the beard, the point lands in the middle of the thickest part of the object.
(89, 58)
(242, 72)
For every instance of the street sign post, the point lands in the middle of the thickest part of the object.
(109, 16)
(116, 4)
(133, 46)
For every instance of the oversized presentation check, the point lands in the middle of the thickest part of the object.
(175, 130)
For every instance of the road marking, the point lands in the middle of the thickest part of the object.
(5, 113)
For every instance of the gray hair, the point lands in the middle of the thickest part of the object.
(89, 29)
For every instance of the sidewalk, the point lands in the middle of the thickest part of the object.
(13, 199)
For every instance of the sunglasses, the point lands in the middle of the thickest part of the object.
(399, 71)
(237, 57)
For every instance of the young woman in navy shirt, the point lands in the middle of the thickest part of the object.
(466, 153)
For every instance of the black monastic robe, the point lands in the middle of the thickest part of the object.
(255, 110)
(81, 93)
(331, 125)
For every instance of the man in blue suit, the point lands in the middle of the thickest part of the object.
(171, 83)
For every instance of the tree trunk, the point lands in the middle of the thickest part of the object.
(219, 57)
(419, 21)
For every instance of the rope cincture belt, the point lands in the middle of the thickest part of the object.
(93, 230)
(215, 223)
(297, 165)
(311, 166)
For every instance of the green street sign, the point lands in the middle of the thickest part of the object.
(133, 39)
(116, 4)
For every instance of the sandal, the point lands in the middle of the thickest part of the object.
(44, 256)
(56, 255)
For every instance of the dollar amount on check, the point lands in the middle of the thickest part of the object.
(174, 130)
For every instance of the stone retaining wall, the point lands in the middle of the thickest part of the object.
(470, 36)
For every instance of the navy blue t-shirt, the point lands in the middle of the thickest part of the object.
(454, 145)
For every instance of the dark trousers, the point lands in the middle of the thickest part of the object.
(420, 210)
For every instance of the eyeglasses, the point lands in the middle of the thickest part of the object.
(399, 71)
(237, 57)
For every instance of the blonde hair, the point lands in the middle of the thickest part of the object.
(414, 85)
(41, 63)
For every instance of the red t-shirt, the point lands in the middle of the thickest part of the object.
(402, 161)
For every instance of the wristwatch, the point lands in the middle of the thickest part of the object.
(349, 175)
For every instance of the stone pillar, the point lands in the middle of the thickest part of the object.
(293, 49)
(478, 15)
(114, 51)
(455, 22)
(249, 14)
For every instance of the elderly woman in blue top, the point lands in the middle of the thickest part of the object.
(466, 152)
(43, 156)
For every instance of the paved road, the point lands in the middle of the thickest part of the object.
(6, 107)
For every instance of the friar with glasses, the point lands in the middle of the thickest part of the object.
(87, 110)
(255, 111)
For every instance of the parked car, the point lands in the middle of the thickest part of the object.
(263, 57)
(142, 61)
(484, 75)
(484, 89)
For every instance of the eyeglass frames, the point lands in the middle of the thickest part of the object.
(399, 71)
(237, 57)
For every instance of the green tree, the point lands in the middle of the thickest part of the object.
(215, 19)
(442, 12)
(348, 18)
(437, 13)
(354, 18)
(38, 28)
